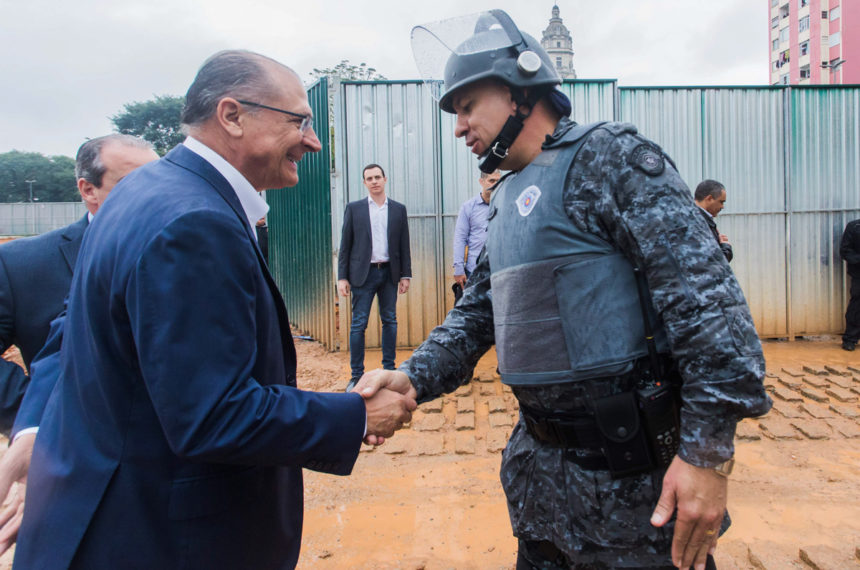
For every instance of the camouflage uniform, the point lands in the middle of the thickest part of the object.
(622, 188)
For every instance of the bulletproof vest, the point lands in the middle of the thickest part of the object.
(565, 302)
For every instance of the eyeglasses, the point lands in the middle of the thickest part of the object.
(307, 120)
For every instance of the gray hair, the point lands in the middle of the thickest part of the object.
(232, 73)
(707, 188)
(88, 162)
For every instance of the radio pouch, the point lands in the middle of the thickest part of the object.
(624, 443)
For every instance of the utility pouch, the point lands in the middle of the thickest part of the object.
(624, 443)
(659, 413)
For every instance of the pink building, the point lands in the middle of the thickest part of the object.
(814, 42)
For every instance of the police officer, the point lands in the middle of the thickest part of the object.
(609, 299)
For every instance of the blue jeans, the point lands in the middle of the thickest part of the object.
(378, 283)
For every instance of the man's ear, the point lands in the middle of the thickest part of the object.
(230, 117)
(88, 191)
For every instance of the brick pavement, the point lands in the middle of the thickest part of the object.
(811, 402)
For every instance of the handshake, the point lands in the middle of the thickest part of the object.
(389, 399)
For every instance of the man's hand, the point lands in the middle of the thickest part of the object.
(387, 411)
(343, 287)
(461, 279)
(13, 480)
(724, 238)
(403, 287)
(700, 495)
(379, 379)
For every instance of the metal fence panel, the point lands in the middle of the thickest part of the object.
(28, 219)
(672, 118)
(823, 196)
(788, 157)
(300, 247)
(395, 125)
(591, 100)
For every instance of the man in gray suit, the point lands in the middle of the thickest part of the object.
(36, 272)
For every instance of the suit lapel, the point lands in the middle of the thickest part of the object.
(192, 161)
(71, 244)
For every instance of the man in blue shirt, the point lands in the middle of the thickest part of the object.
(471, 229)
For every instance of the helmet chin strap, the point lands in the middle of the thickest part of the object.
(501, 145)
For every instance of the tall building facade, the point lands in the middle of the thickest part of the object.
(814, 42)
(558, 44)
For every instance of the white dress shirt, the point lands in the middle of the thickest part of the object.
(378, 230)
(252, 204)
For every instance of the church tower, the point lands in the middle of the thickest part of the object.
(559, 45)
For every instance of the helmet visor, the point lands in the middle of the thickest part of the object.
(434, 44)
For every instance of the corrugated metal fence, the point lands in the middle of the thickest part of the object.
(27, 219)
(788, 156)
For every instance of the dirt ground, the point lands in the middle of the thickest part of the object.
(431, 498)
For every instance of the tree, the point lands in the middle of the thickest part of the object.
(52, 178)
(156, 120)
(348, 71)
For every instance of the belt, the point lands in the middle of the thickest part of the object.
(378, 264)
(568, 432)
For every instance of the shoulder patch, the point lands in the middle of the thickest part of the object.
(647, 159)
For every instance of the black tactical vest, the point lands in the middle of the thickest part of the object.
(565, 302)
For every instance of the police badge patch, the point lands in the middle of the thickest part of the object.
(647, 159)
(527, 200)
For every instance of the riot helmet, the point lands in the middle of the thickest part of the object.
(454, 53)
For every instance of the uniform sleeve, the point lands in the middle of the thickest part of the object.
(447, 358)
(632, 194)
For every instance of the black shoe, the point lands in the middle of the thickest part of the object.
(848, 345)
(351, 384)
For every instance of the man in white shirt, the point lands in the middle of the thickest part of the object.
(380, 266)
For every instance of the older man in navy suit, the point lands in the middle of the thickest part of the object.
(35, 273)
(374, 261)
(175, 435)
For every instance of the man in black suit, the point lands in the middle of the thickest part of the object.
(373, 260)
(35, 273)
(710, 197)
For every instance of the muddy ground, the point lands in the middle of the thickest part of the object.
(430, 497)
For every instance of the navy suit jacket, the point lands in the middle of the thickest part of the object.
(175, 436)
(356, 243)
(35, 274)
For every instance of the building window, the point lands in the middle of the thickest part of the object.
(557, 44)
(804, 24)
(783, 11)
(824, 14)
(784, 58)
(803, 3)
(783, 35)
(783, 80)
(774, 22)
(773, 3)
(558, 62)
(804, 48)
(835, 39)
(775, 45)
(804, 72)
(835, 13)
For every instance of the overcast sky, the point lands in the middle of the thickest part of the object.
(68, 66)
